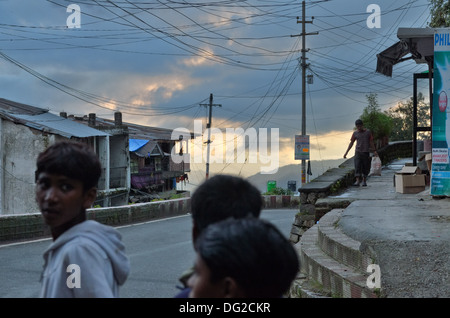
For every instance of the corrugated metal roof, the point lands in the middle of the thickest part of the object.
(58, 125)
(41, 119)
(135, 131)
(144, 132)
(148, 149)
(12, 107)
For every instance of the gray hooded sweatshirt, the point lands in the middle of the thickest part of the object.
(88, 260)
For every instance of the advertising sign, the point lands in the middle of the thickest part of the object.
(301, 147)
(440, 168)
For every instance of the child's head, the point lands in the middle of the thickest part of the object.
(224, 196)
(246, 257)
(72, 159)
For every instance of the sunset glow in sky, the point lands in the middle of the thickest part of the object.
(158, 61)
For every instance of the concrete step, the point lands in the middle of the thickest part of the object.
(337, 270)
(333, 242)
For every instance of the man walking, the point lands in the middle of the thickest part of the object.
(364, 141)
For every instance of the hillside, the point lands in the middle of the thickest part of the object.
(292, 173)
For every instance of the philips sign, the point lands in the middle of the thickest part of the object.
(442, 40)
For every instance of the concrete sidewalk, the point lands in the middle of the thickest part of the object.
(408, 234)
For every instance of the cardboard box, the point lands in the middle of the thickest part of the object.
(428, 159)
(410, 170)
(409, 180)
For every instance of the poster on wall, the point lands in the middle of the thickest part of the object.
(440, 169)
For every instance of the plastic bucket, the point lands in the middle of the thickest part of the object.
(271, 184)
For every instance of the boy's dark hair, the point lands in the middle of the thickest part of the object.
(251, 251)
(72, 159)
(224, 196)
(358, 122)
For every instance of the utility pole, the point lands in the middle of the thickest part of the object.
(208, 126)
(304, 66)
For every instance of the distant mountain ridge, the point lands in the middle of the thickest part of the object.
(292, 172)
(253, 174)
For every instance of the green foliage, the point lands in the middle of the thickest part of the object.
(440, 13)
(402, 117)
(336, 186)
(378, 122)
(279, 191)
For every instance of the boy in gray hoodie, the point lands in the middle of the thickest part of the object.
(86, 258)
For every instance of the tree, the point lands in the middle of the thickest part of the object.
(440, 13)
(402, 117)
(378, 122)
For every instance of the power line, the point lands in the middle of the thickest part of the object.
(221, 22)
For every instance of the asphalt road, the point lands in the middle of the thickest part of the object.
(159, 252)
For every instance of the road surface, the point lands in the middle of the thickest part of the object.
(159, 252)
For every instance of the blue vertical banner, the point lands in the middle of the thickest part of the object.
(440, 168)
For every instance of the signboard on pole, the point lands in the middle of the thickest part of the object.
(440, 168)
(301, 147)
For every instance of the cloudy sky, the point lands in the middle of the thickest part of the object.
(158, 62)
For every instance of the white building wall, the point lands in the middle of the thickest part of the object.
(20, 147)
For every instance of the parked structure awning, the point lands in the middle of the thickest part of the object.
(415, 41)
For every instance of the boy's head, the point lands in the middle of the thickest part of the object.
(72, 159)
(243, 258)
(66, 178)
(221, 197)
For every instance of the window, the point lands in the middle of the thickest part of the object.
(134, 166)
(157, 164)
